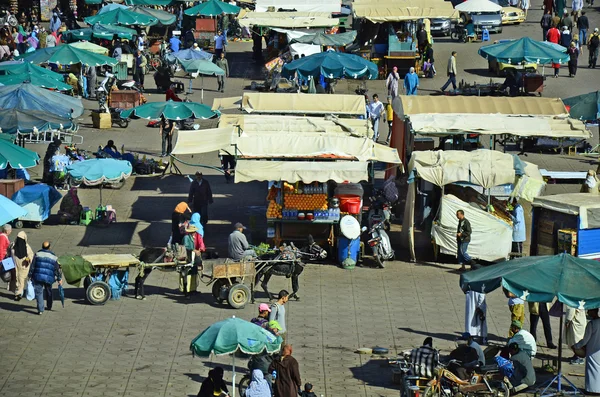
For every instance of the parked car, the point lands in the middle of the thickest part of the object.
(492, 21)
(440, 27)
(510, 15)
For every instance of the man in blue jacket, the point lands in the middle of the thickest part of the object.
(44, 272)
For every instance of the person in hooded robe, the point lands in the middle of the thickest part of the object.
(22, 255)
(590, 185)
(259, 386)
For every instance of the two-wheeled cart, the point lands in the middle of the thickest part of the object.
(231, 281)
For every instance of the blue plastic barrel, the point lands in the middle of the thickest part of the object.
(348, 249)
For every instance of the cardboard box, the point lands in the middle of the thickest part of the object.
(101, 120)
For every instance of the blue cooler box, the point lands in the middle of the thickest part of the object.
(348, 249)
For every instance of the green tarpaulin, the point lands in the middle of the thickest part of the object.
(75, 268)
(585, 106)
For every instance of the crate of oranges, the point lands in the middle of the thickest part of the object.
(273, 210)
(306, 202)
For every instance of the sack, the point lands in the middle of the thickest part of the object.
(505, 366)
(29, 291)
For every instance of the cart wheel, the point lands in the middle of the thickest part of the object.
(155, 63)
(18, 224)
(123, 123)
(98, 293)
(239, 296)
(243, 385)
(216, 289)
(38, 225)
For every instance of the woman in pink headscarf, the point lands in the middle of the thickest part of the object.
(392, 83)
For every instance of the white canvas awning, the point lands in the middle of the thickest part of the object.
(478, 6)
(289, 20)
(492, 124)
(280, 103)
(227, 103)
(586, 205)
(272, 145)
(328, 6)
(301, 171)
(404, 10)
(486, 168)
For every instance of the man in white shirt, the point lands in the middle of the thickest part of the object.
(220, 43)
(375, 111)
(523, 338)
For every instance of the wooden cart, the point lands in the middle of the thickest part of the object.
(96, 285)
(232, 281)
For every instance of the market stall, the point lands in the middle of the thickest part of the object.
(526, 118)
(301, 104)
(566, 223)
(387, 31)
(305, 157)
(479, 183)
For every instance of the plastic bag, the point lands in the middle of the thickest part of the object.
(29, 291)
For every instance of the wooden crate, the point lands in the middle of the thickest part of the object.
(101, 120)
(8, 187)
(236, 269)
(124, 99)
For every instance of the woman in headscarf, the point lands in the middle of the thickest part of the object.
(195, 221)
(214, 385)
(259, 387)
(70, 207)
(194, 245)
(179, 216)
(22, 255)
(591, 183)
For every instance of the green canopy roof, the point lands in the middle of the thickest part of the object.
(171, 110)
(336, 40)
(148, 2)
(212, 8)
(40, 80)
(164, 18)
(574, 281)
(122, 16)
(524, 50)
(20, 67)
(201, 66)
(584, 106)
(100, 31)
(67, 55)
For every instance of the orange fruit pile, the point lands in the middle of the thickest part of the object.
(305, 202)
(273, 210)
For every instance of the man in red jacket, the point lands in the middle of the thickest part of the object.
(553, 35)
(4, 241)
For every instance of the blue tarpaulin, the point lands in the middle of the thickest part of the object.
(42, 196)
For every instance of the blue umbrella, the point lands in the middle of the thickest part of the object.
(9, 210)
(188, 55)
(96, 172)
(61, 294)
(333, 65)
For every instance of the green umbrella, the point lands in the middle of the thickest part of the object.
(336, 40)
(91, 47)
(232, 335)
(100, 31)
(212, 8)
(163, 17)
(122, 16)
(524, 50)
(40, 80)
(16, 156)
(148, 2)
(201, 67)
(20, 67)
(574, 281)
(585, 106)
(67, 55)
(171, 111)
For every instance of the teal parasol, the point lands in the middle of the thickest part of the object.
(212, 8)
(171, 111)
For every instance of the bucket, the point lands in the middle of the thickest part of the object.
(350, 202)
(348, 252)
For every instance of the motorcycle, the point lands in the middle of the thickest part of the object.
(115, 117)
(380, 244)
(459, 33)
(9, 18)
(380, 211)
(484, 381)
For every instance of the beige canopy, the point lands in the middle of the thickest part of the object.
(258, 102)
(289, 20)
(403, 10)
(304, 171)
(486, 168)
(424, 104)
(491, 124)
(292, 125)
(586, 205)
(227, 103)
(273, 145)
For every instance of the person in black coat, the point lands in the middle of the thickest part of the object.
(200, 197)
(213, 384)
(52, 148)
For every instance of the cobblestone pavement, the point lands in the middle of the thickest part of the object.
(130, 348)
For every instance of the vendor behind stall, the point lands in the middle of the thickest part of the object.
(70, 207)
(111, 150)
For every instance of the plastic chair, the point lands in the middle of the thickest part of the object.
(485, 35)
